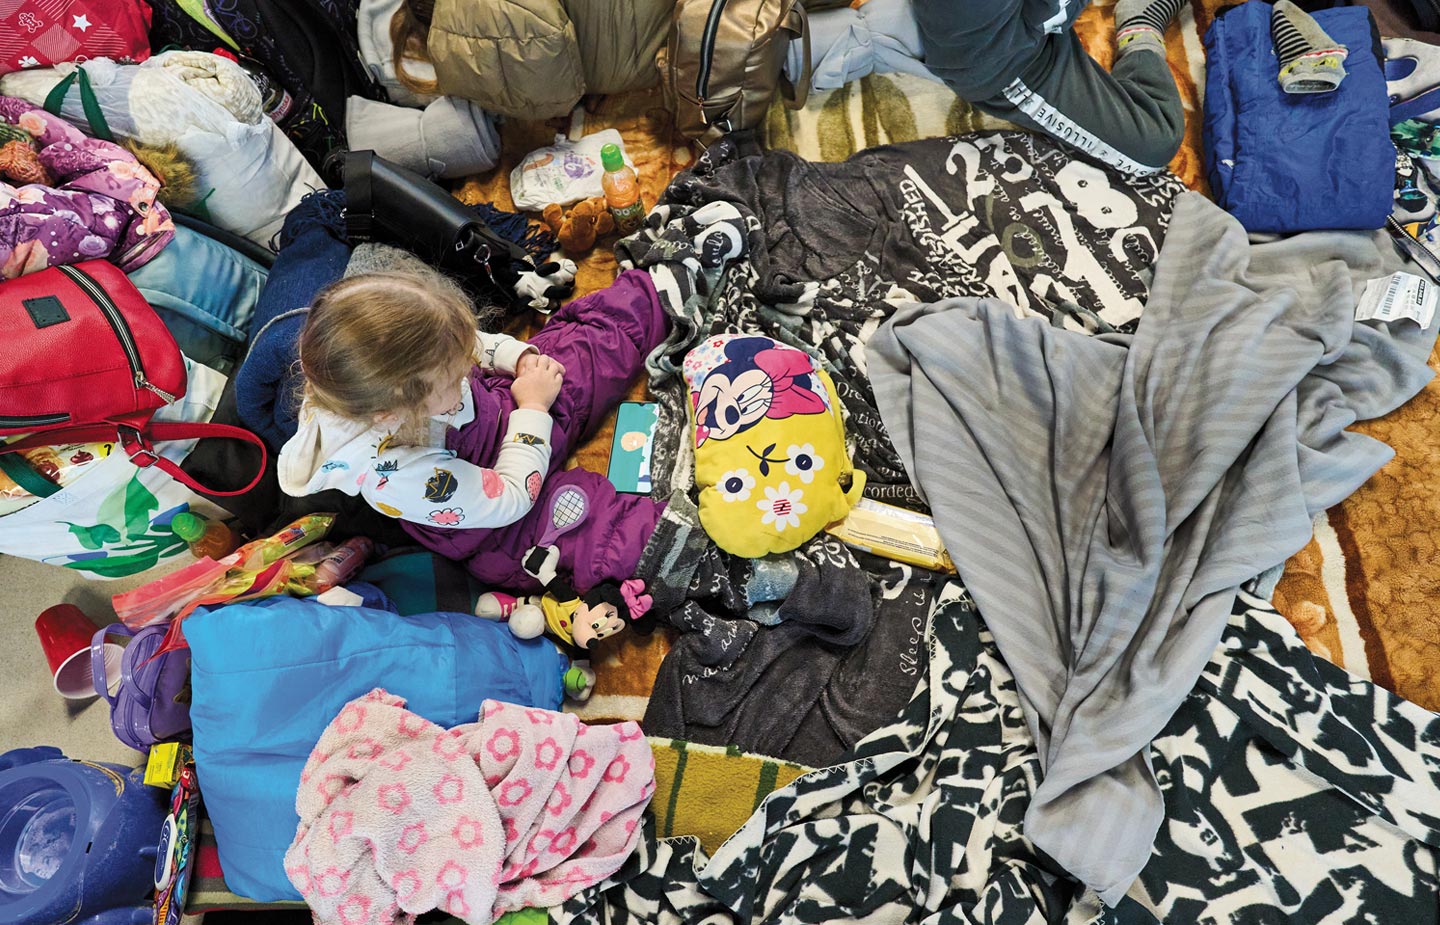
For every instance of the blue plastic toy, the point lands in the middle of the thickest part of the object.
(77, 840)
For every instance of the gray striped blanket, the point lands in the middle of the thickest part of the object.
(1105, 497)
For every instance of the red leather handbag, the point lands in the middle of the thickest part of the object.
(84, 358)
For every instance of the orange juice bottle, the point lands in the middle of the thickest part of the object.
(622, 191)
(206, 537)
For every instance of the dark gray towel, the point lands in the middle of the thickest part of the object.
(840, 666)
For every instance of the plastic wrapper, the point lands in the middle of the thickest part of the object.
(255, 570)
(243, 575)
(894, 533)
(563, 173)
(300, 533)
(60, 465)
(164, 597)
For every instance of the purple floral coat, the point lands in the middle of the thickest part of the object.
(102, 206)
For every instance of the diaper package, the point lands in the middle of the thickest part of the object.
(564, 173)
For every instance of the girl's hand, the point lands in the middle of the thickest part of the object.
(537, 383)
(530, 358)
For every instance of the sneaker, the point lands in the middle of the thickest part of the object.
(579, 682)
(497, 605)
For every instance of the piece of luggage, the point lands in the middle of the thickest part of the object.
(205, 290)
(152, 702)
(307, 48)
(724, 63)
(269, 676)
(86, 359)
(39, 33)
(248, 174)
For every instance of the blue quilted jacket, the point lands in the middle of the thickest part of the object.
(1283, 162)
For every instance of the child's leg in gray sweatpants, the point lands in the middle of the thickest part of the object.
(1130, 117)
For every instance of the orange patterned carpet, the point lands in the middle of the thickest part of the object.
(1365, 593)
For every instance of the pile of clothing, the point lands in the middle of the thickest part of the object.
(1007, 443)
(1118, 407)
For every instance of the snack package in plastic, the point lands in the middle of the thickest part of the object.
(207, 581)
(299, 534)
(60, 465)
(894, 533)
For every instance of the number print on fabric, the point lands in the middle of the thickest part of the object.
(1001, 214)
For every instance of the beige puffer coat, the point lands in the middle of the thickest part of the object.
(534, 59)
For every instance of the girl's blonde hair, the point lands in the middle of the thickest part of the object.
(409, 32)
(378, 343)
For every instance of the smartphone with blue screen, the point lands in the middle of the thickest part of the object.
(630, 451)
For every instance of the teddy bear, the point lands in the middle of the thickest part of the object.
(577, 229)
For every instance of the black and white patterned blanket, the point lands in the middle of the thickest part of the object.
(818, 256)
(831, 249)
(1294, 793)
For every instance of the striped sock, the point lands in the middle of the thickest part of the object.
(1310, 61)
(1142, 24)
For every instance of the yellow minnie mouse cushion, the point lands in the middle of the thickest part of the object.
(770, 459)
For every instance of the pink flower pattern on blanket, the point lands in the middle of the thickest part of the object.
(492, 816)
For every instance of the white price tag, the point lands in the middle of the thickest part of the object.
(1400, 295)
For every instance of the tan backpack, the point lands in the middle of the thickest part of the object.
(724, 62)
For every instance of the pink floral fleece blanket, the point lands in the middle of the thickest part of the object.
(526, 807)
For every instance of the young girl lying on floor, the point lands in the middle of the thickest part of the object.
(461, 434)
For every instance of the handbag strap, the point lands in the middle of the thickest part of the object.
(99, 127)
(138, 444)
(27, 478)
(98, 677)
(359, 196)
(793, 95)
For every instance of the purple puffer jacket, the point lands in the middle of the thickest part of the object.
(103, 204)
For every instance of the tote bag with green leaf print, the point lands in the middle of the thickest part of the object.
(114, 521)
